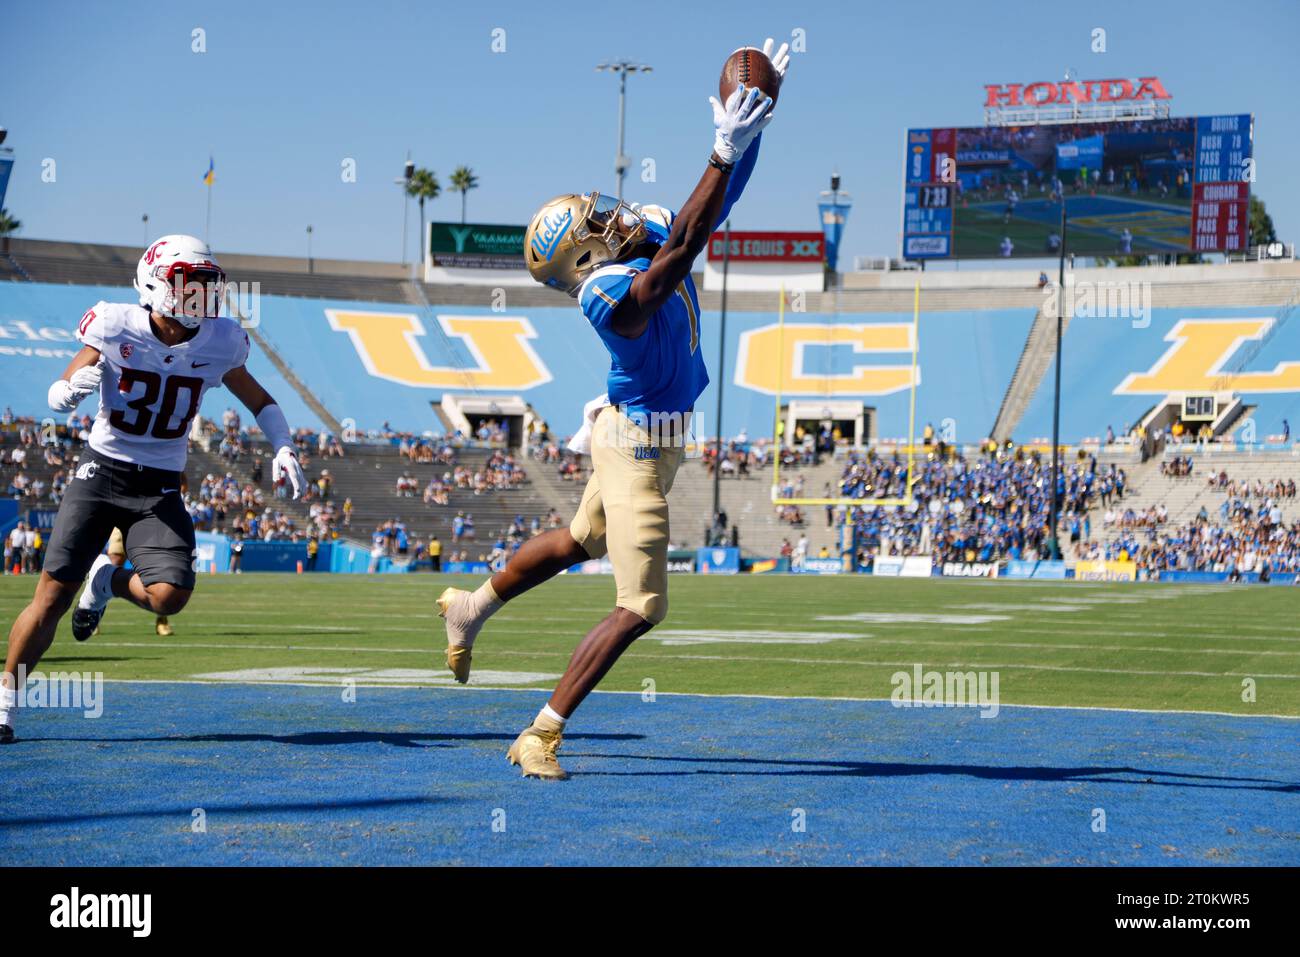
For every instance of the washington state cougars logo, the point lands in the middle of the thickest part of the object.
(126, 349)
(152, 254)
(87, 470)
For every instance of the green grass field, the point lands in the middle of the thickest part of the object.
(1120, 646)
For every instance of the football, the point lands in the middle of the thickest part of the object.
(751, 67)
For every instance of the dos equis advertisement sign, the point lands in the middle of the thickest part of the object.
(479, 245)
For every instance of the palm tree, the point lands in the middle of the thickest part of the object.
(423, 185)
(462, 181)
(8, 226)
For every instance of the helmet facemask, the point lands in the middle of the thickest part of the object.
(620, 227)
(187, 292)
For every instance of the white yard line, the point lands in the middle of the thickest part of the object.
(700, 694)
(1009, 666)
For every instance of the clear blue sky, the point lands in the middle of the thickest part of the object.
(287, 90)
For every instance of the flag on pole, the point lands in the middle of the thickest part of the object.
(211, 175)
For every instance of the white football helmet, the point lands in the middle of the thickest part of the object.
(179, 277)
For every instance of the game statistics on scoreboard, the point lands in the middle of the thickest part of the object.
(1156, 186)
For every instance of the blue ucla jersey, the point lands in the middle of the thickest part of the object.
(662, 370)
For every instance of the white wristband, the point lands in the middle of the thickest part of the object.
(275, 427)
(63, 397)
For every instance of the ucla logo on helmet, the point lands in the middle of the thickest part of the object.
(552, 231)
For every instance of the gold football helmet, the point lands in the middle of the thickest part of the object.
(573, 234)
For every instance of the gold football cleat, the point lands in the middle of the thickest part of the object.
(534, 752)
(162, 627)
(458, 662)
(459, 633)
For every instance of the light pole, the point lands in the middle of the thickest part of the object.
(1054, 513)
(310, 265)
(622, 68)
(834, 210)
(722, 351)
(404, 181)
(144, 227)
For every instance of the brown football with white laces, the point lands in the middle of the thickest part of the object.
(749, 66)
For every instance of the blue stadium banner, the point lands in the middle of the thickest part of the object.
(833, 217)
(1020, 568)
(6, 166)
(820, 566)
(1080, 154)
(718, 561)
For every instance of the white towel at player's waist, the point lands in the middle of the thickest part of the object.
(581, 441)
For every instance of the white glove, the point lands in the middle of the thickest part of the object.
(743, 118)
(781, 59)
(285, 464)
(66, 394)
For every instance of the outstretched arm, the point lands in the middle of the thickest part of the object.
(739, 178)
(271, 420)
(746, 113)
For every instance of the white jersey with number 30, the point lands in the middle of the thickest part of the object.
(151, 391)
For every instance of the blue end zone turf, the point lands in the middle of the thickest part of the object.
(294, 775)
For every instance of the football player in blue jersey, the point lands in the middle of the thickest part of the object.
(629, 266)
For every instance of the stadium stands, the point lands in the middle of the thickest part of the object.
(354, 349)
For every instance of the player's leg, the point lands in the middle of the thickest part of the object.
(160, 544)
(636, 518)
(637, 538)
(538, 560)
(32, 633)
(83, 525)
(116, 553)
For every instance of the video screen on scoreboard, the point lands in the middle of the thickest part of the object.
(1139, 187)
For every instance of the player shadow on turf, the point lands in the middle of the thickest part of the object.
(48, 660)
(237, 810)
(873, 769)
(399, 739)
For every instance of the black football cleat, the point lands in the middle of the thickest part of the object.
(84, 622)
(6, 734)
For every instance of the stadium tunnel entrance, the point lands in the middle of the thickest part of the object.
(840, 419)
(472, 415)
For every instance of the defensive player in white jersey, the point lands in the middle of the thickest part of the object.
(151, 364)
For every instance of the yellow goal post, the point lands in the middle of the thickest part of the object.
(777, 436)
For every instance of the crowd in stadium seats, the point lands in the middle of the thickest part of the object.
(982, 510)
(1244, 489)
(977, 508)
(1254, 541)
(393, 539)
(738, 458)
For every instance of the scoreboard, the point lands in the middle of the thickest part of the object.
(1153, 186)
(928, 198)
(1221, 196)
